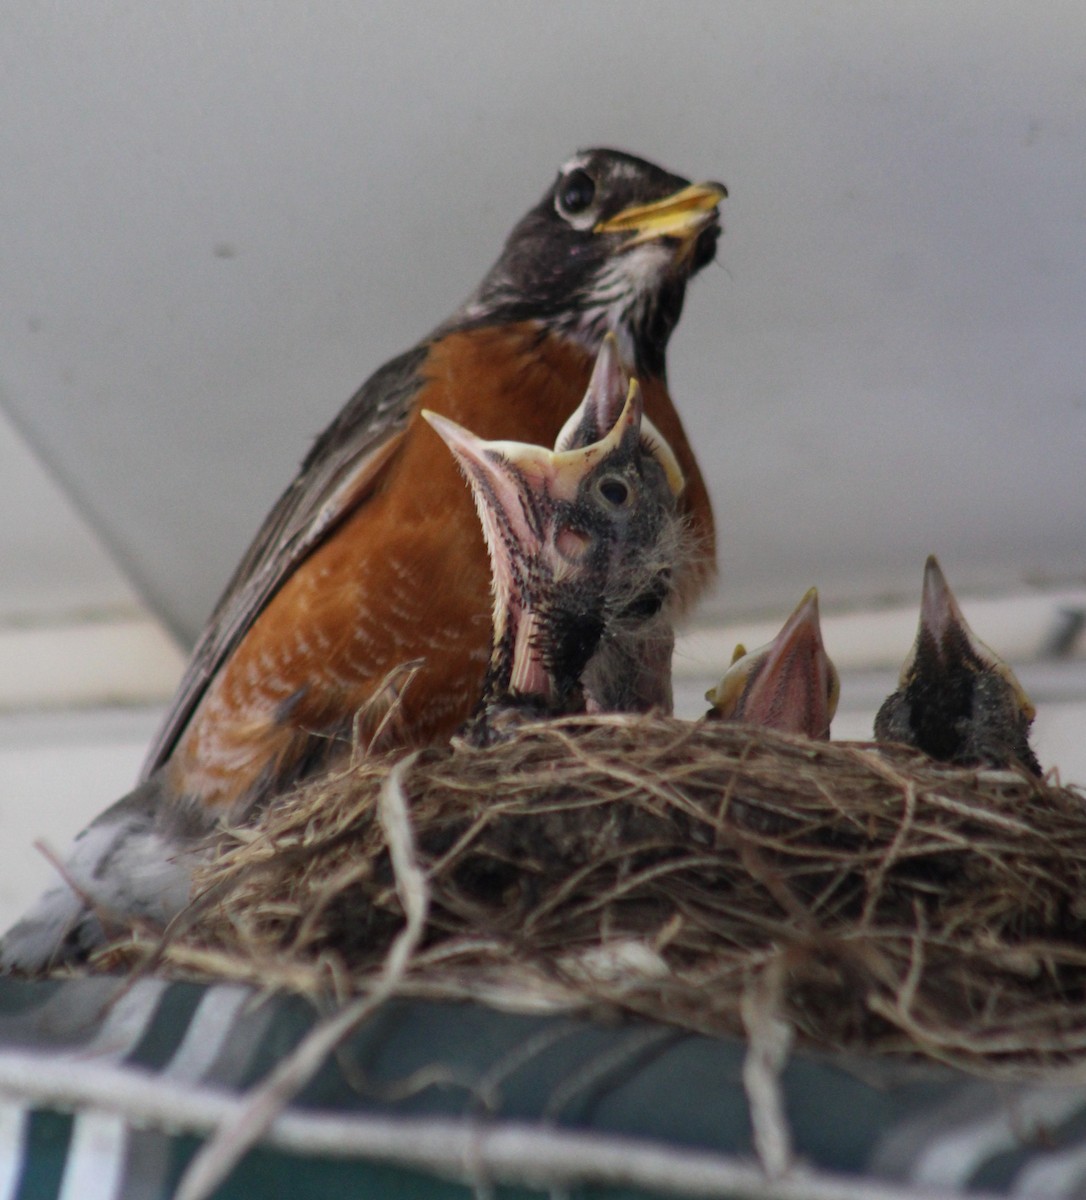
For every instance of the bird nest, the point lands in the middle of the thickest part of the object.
(871, 898)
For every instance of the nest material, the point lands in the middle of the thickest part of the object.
(890, 904)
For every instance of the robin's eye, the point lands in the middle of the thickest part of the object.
(614, 490)
(576, 192)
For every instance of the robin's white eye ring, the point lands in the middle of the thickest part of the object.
(576, 191)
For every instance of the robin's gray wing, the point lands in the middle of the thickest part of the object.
(338, 474)
(132, 865)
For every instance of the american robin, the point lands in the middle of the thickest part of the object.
(957, 700)
(788, 684)
(373, 555)
(585, 544)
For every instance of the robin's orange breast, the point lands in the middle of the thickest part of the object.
(404, 576)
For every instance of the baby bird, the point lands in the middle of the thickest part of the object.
(789, 684)
(583, 543)
(956, 699)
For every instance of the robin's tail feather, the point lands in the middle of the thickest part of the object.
(131, 866)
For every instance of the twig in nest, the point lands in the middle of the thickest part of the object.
(874, 887)
(769, 1043)
(383, 712)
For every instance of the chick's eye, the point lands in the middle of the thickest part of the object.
(576, 192)
(614, 491)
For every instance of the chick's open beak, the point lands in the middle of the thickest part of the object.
(790, 684)
(943, 625)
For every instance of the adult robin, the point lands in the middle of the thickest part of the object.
(789, 684)
(373, 555)
(585, 543)
(957, 700)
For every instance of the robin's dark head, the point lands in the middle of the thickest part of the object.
(956, 699)
(788, 684)
(610, 247)
(580, 537)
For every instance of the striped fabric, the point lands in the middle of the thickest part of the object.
(107, 1089)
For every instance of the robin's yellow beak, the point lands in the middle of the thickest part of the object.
(682, 215)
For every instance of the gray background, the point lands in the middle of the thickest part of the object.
(217, 218)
